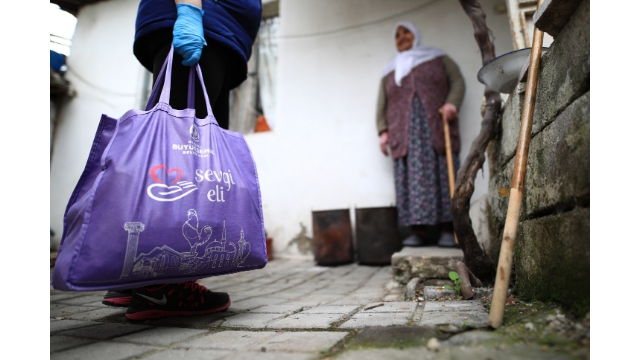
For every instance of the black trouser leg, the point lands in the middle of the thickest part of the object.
(214, 64)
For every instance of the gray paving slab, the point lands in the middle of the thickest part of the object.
(316, 269)
(470, 318)
(266, 280)
(270, 356)
(284, 283)
(254, 293)
(237, 296)
(306, 321)
(333, 290)
(105, 331)
(230, 340)
(330, 309)
(394, 336)
(61, 295)
(191, 354)
(288, 295)
(370, 291)
(59, 343)
(214, 319)
(278, 309)
(251, 320)
(347, 280)
(462, 305)
(318, 282)
(62, 310)
(97, 303)
(390, 354)
(372, 294)
(253, 303)
(319, 299)
(309, 287)
(62, 325)
(388, 307)
(98, 313)
(303, 341)
(350, 300)
(103, 351)
(161, 336)
(305, 303)
(381, 278)
(376, 319)
(80, 300)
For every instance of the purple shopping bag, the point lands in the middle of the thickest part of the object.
(164, 197)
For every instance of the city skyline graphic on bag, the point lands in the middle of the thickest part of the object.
(164, 197)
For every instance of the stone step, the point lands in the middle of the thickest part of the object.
(428, 262)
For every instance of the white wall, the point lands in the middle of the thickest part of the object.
(107, 79)
(323, 153)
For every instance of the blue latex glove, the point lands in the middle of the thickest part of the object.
(188, 34)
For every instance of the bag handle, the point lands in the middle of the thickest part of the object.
(155, 91)
(165, 73)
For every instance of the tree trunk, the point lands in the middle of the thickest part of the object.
(474, 257)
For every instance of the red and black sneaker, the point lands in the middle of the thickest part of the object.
(120, 298)
(181, 299)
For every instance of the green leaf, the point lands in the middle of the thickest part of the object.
(453, 275)
(448, 287)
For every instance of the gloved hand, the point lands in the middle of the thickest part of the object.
(188, 34)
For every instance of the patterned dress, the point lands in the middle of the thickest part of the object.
(421, 177)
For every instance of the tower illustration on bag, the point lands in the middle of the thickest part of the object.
(163, 259)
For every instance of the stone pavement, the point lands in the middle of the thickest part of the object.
(291, 309)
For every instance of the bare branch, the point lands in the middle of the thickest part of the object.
(474, 257)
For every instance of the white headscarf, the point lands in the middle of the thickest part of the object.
(405, 61)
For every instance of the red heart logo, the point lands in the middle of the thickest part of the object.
(169, 171)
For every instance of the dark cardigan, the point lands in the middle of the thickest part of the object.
(435, 82)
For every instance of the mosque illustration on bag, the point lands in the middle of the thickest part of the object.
(217, 254)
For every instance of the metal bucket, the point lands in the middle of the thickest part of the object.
(332, 239)
(377, 235)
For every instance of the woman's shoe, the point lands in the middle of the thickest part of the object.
(447, 240)
(414, 241)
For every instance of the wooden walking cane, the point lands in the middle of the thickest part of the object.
(499, 297)
(447, 143)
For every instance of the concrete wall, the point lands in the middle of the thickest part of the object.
(323, 151)
(552, 249)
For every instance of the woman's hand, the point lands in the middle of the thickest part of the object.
(449, 112)
(384, 140)
(188, 32)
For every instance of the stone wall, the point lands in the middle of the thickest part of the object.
(552, 251)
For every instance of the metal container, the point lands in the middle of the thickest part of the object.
(332, 239)
(377, 235)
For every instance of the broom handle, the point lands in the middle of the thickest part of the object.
(496, 315)
(447, 143)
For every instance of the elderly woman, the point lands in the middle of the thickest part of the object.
(419, 85)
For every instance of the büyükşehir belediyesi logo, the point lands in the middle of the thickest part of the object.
(195, 134)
